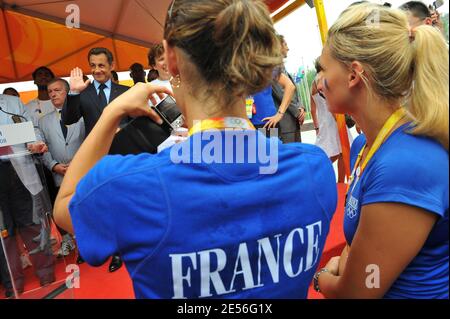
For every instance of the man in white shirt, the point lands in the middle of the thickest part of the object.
(42, 104)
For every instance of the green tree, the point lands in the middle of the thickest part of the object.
(304, 90)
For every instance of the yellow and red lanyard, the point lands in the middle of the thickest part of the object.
(381, 137)
(223, 123)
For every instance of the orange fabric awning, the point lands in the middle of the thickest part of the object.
(33, 33)
(34, 42)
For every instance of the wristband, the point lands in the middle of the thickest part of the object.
(316, 278)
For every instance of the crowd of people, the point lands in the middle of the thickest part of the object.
(200, 229)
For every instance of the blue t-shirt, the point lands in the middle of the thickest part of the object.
(265, 106)
(411, 170)
(198, 230)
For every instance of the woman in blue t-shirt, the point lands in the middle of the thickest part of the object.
(264, 114)
(227, 213)
(394, 82)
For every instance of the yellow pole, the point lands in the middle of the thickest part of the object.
(322, 19)
(340, 118)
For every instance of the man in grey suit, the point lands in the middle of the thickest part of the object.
(87, 100)
(63, 142)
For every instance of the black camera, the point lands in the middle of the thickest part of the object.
(168, 110)
(143, 135)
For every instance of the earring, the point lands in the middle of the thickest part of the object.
(175, 81)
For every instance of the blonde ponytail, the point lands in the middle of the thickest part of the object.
(429, 94)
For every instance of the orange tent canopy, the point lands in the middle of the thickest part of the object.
(34, 33)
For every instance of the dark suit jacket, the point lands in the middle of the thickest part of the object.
(87, 105)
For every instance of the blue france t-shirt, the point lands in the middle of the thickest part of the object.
(200, 229)
(411, 170)
(265, 106)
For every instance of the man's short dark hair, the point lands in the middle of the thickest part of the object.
(66, 84)
(136, 66)
(40, 69)
(417, 9)
(105, 51)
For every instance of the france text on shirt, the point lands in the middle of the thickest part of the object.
(280, 259)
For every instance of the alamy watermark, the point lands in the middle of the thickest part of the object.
(73, 279)
(230, 146)
(73, 19)
(373, 279)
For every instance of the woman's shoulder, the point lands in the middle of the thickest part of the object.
(413, 157)
(303, 148)
(301, 152)
(407, 147)
(117, 166)
(409, 169)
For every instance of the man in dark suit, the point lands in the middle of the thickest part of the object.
(87, 100)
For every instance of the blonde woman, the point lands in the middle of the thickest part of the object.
(394, 82)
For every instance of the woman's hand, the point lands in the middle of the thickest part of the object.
(273, 120)
(333, 265)
(134, 102)
(301, 116)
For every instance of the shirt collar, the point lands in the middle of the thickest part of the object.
(97, 84)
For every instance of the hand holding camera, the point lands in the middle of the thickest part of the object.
(134, 102)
